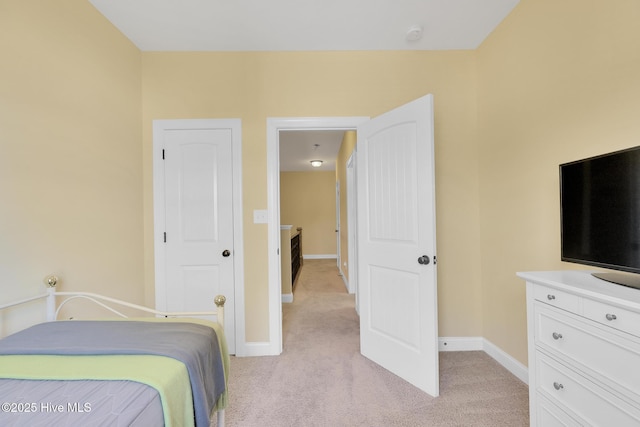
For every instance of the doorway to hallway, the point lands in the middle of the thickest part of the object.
(274, 128)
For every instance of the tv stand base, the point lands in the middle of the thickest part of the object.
(632, 281)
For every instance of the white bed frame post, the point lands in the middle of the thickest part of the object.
(51, 282)
(219, 301)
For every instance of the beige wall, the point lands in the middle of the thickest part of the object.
(308, 200)
(346, 149)
(254, 86)
(557, 81)
(71, 155)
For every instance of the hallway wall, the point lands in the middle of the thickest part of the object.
(308, 200)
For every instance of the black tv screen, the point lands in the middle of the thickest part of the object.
(600, 211)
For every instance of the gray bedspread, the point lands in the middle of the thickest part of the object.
(193, 344)
(110, 403)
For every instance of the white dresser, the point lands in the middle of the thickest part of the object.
(584, 350)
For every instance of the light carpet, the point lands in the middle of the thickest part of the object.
(321, 379)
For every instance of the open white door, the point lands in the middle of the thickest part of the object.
(397, 244)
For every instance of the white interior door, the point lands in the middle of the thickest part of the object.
(396, 236)
(199, 232)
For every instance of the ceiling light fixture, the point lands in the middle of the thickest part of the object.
(316, 163)
(414, 33)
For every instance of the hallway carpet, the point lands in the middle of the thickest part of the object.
(321, 379)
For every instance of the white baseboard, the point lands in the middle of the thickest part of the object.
(320, 256)
(479, 343)
(460, 343)
(344, 280)
(444, 344)
(287, 298)
(511, 364)
(252, 349)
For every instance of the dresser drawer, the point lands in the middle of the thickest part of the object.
(556, 298)
(549, 415)
(615, 317)
(611, 357)
(580, 397)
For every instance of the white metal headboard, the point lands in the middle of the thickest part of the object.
(53, 310)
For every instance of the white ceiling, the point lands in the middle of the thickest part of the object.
(298, 148)
(295, 25)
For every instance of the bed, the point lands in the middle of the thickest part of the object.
(166, 369)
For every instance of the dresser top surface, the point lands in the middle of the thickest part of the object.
(583, 283)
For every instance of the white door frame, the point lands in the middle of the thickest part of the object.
(352, 228)
(274, 126)
(338, 225)
(159, 217)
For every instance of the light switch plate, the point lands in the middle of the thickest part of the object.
(260, 216)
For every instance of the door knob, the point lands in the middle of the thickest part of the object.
(226, 253)
(424, 260)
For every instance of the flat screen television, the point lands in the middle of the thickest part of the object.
(600, 214)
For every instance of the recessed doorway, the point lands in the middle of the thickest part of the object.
(274, 128)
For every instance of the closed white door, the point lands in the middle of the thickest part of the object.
(199, 233)
(396, 243)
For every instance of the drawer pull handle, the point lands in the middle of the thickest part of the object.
(551, 297)
(558, 386)
(611, 317)
(556, 336)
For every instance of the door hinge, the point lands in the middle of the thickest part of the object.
(163, 154)
(165, 237)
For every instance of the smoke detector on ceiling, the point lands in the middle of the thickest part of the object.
(414, 33)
